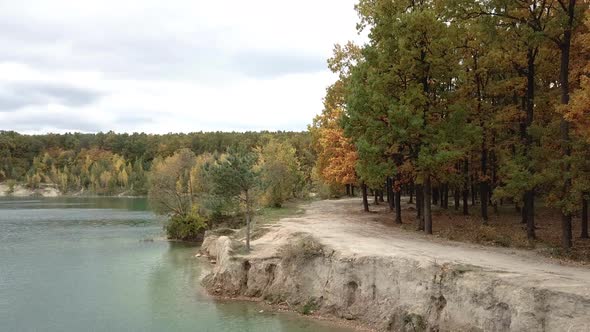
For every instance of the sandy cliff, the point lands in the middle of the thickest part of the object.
(336, 261)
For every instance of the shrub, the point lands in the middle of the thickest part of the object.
(191, 227)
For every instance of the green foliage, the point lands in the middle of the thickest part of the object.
(235, 177)
(189, 227)
(171, 186)
(463, 95)
(373, 167)
(517, 179)
(218, 189)
(269, 215)
(235, 174)
(138, 179)
(281, 177)
(110, 163)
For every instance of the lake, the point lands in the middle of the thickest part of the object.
(99, 264)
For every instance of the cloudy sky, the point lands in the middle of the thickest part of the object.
(166, 65)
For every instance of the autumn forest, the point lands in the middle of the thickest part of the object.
(476, 100)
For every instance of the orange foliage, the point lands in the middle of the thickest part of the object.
(578, 111)
(340, 157)
(336, 154)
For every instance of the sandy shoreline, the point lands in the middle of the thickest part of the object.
(329, 320)
(50, 190)
(19, 190)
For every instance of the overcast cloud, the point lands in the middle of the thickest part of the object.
(167, 66)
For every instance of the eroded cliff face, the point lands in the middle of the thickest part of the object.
(389, 293)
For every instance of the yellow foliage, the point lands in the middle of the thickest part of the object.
(336, 155)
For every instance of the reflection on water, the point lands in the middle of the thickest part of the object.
(78, 264)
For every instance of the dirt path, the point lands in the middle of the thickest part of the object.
(343, 226)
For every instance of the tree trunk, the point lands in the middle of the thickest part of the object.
(529, 203)
(247, 220)
(584, 234)
(190, 186)
(411, 201)
(466, 188)
(398, 206)
(419, 207)
(494, 184)
(566, 230)
(529, 195)
(445, 196)
(457, 199)
(376, 197)
(352, 190)
(564, 46)
(435, 196)
(483, 184)
(390, 194)
(387, 192)
(365, 197)
(381, 196)
(348, 190)
(427, 205)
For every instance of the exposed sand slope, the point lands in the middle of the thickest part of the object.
(344, 227)
(342, 262)
(22, 191)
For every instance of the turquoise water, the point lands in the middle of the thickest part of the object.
(91, 264)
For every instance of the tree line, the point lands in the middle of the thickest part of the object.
(472, 99)
(111, 163)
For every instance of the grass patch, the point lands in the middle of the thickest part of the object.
(270, 215)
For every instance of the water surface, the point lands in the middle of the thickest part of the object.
(97, 264)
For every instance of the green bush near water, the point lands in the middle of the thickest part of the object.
(191, 227)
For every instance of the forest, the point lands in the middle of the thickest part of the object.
(110, 163)
(470, 100)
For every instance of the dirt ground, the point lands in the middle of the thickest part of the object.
(342, 225)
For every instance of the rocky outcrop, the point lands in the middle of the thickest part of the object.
(388, 293)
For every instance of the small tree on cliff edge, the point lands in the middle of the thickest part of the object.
(235, 177)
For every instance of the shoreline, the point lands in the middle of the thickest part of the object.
(329, 320)
(50, 191)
